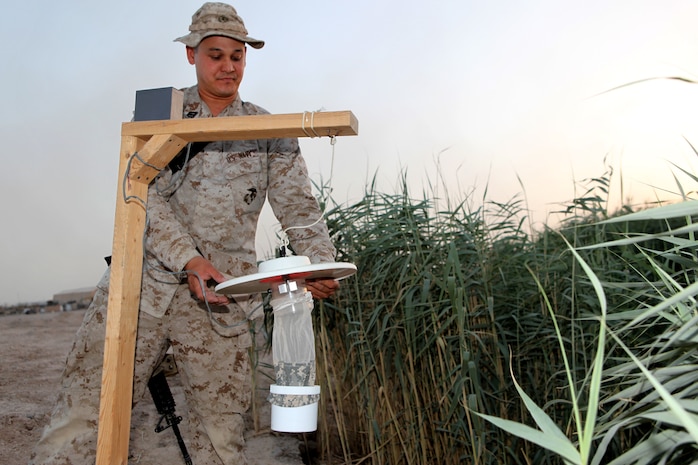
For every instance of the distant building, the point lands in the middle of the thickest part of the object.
(65, 301)
(75, 299)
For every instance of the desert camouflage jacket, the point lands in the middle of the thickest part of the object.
(211, 206)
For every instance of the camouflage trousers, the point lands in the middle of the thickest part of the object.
(213, 363)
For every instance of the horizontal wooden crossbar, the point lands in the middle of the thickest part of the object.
(308, 124)
(165, 138)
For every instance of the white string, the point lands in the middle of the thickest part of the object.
(312, 124)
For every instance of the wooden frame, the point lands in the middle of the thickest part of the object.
(156, 143)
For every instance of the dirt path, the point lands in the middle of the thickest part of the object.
(33, 352)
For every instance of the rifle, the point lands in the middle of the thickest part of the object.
(165, 404)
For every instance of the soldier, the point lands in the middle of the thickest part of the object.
(202, 217)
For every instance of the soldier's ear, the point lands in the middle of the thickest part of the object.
(191, 55)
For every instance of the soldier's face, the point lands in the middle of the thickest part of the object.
(220, 66)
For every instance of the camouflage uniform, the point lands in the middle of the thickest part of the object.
(209, 208)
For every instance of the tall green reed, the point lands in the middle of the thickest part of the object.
(639, 401)
(421, 347)
(452, 303)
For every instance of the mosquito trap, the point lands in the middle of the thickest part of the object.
(294, 397)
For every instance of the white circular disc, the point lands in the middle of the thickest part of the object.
(261, 282)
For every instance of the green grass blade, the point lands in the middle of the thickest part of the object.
(587, 435)
(560, 446)
(646, 451)
(544, 422)
(687, 420)
(674, 210)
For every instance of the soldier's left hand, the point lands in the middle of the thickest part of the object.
(322, 288)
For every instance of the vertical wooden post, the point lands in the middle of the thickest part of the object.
(122, 316)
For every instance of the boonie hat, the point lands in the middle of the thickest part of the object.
(217, 19)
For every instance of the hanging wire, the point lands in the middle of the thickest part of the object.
(284, 236)
(124, 181)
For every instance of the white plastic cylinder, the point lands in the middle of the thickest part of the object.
(302, 419)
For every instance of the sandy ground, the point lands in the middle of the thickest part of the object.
(33, 352)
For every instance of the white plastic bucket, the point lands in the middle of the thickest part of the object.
(294, 419)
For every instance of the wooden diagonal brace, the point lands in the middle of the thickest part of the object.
(157, 153)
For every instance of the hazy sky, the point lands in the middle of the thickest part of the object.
(495, 90)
